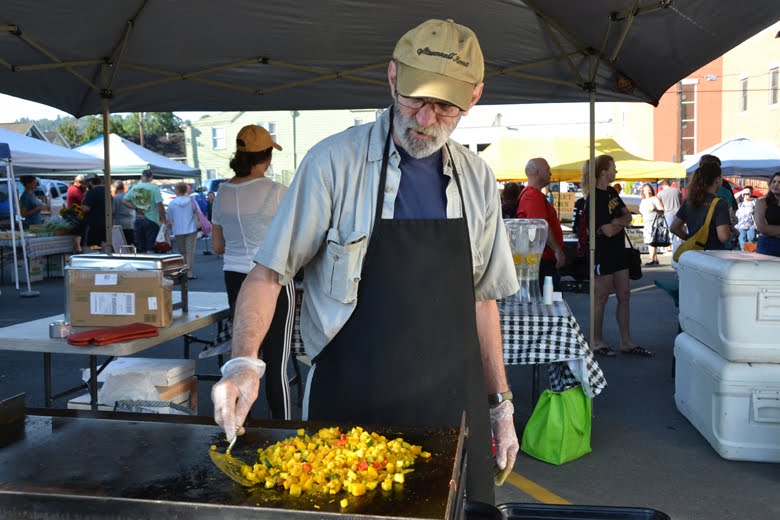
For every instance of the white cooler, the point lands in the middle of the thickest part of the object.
(730, 301)
(735, 406)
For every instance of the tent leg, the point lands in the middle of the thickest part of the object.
(592, 223)
(29, 293)
(109, 245)
(12, 213)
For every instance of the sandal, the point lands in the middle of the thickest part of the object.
(605, 351)
(638, 351)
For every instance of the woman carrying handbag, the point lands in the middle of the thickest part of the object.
(182, 216)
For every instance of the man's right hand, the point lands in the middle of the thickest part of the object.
(235, 393)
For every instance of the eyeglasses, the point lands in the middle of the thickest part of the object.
(442, 109)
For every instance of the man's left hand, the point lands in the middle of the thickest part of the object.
(503, 426)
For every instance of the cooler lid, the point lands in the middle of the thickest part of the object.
(733, 266)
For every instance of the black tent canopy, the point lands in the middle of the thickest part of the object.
(155, 55)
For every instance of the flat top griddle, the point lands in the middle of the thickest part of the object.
(114, 456)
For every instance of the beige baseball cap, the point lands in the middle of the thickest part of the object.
(439, 59)
(254, 138)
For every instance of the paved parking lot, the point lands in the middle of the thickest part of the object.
(645, 453)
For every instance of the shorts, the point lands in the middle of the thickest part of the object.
(610, 262)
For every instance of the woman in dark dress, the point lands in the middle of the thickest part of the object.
(611, 259)
(767, 217)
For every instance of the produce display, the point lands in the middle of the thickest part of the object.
(331, 461)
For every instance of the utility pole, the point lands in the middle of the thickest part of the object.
(141, 127)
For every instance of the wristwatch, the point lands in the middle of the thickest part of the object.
(496, 399)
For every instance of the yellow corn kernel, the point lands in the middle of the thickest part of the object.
(344, 503)
(399, 477)
(387, 484)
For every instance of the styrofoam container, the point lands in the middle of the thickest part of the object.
(735, 406)
(730, 301)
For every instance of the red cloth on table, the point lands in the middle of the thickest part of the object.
(108, 335)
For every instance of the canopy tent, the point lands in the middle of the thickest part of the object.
(566, 155)
(129, 159)
(203, 55)
(741, 157)
(31, 155)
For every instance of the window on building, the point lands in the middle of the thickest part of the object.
(218, 138)
(211, 173)
(743, 96)
(688, 119)
(773, 85)
(271, 127)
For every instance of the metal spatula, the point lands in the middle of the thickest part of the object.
(230, 465)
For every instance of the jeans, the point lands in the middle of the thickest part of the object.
(145, 234)
(746, 235)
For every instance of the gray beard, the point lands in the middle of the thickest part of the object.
(418, 148)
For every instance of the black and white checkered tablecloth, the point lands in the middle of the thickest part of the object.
(532, 334)
(537, 333)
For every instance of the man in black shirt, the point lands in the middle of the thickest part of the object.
(94, 207)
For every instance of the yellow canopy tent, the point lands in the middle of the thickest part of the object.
(566, 155)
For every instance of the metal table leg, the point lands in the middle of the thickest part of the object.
(535, 386)
(47, 400)
(93, 383)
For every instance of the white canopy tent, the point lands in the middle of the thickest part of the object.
(33, 155)
(741, 157)
(128, 158)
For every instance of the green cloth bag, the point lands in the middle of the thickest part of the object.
(559, 429)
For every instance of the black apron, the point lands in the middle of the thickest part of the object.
(409, 354)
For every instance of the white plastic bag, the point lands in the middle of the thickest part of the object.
(163, 241)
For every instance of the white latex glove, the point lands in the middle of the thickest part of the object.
(235, 393)
(503, 426)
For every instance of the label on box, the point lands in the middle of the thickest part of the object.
(152, 302)
(114, 304)
(105, 279)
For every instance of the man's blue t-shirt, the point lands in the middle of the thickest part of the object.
(421, 194)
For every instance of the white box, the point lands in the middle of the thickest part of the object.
(163, 372)
(730, 301)
(735, 406)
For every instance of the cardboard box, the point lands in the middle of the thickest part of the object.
(109, 298)
(182, 393)
(36, 265)
(55, 266)
(162, 372)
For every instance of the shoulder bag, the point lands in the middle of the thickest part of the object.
(634, 259)
(698, 241)
(659, 233)
(201, 222)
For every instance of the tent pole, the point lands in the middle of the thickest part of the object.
(12, 213)
(592, 221)
(107, 158)
(29, 293)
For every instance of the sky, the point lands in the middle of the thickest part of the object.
(12, 108)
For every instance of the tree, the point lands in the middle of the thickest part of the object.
(93, 129)
(70, 131)
(158, 123)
